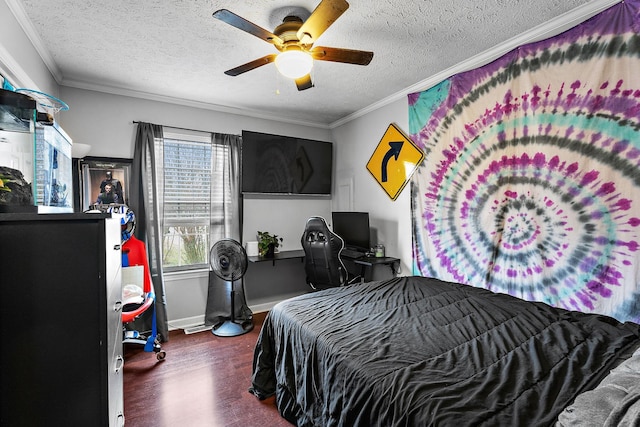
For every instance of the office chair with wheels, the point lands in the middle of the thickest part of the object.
(322, 262)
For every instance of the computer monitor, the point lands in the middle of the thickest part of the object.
(353, 227)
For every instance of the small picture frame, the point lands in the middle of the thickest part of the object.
(104, 180)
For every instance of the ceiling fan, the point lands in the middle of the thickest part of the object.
(294, 39)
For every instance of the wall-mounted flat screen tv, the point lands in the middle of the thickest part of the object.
(275, 164)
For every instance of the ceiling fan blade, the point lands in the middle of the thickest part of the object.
(304, 82)
(239, 22)
(348, 56)
(251, 65)
(320, 19)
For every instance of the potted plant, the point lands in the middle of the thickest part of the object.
(267, 243)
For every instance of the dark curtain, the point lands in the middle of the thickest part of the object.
(145, 201)
(219, 292)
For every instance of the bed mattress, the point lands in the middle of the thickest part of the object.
(415, 351)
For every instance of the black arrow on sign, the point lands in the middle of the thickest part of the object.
(394, 151)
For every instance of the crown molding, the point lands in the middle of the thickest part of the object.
(548, 29)
(188, 103)
(27, 26)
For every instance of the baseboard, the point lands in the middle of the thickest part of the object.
(192, 325)
(186, 323)
(196, 329)
(264, 306)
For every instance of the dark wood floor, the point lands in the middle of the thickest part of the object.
(202, 382)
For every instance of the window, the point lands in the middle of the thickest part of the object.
(190, 206)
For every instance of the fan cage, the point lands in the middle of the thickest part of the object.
(228, 259)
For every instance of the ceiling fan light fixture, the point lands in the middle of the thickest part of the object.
(294, 63)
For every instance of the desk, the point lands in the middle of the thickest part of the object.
(368, 263)
(299, 253)
(365, 264)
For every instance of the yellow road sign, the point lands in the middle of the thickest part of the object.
(394, 160)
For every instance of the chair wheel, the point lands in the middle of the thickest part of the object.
(161, 355)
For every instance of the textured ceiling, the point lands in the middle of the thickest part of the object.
(175, 49)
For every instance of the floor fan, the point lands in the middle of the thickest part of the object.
(229, 262)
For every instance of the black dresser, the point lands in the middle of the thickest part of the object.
(61, 359)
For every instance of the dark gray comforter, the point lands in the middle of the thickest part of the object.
(420, 352)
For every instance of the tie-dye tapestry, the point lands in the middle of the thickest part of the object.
(531, 180)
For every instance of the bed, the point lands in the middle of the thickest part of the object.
(415, 351)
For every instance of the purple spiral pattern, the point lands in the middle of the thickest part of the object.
(531, 182)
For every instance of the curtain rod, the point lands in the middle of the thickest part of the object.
(177, 127)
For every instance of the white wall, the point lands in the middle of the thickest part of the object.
(355, 142)
(105, 122)
(19, 60)
(285, 217)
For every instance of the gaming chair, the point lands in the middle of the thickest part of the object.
(322, 247)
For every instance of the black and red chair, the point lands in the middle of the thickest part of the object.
(134, 253)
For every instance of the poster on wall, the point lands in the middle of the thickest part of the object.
(531, 184)
(104, 181)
